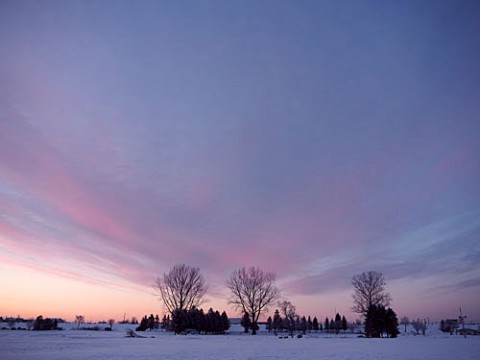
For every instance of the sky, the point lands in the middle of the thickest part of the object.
(314, 139)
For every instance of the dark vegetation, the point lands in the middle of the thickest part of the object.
(289, 321)
(449, 326)
(381, 322)
(253, 291)
(196, 321)
(150, 323)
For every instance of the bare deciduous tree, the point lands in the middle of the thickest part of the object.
(182, 288)
(79, 319)
(290, 314)
(405, 321)
(419, 326)
(368, 290)
(253, 290)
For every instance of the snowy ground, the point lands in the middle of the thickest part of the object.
(75, 344)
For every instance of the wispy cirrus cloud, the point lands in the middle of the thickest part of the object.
(288, 144)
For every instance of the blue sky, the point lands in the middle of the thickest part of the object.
(317, 139)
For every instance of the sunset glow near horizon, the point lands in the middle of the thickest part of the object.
(316, 140)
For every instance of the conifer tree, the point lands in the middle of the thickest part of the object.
(225, 322)
(269, 324)
(337, 323)
(391, 323)
(245, 322)
(344, 323)
(379, 321)
(303, 325)
(315, 326)
(277, 321)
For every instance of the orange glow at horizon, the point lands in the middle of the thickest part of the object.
(29, 293)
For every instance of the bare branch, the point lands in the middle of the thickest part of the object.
(368, 290)
(253, 290)
(182, 288)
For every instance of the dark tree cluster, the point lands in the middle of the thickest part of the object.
(291, 322)
(196, 320)
(449, 326)
(45, 324)
(150, 323)
(336, 324)
(381, 321)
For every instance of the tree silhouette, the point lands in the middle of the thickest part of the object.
(368, 290)
(182, 288)
(290, 314)
(79, 319)
(253, 291)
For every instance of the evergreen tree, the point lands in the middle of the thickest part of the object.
(225, 322)
(379, 321)
(344, 323)
(277, 321)
(245, 322)
(166, 322)
(303, 325)
(151, 322)
(315, 324)
(337, 323)
(391, 323)
(309, 324)
(210, 321)
(143, 324)
(197, 320)
(298, 323)
(218, 325)
(327, 325)
(179, 321)
(269, 324)
(332, 326)
(370, 321)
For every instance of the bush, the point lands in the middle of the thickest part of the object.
(45, 324)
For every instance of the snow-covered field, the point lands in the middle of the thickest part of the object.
(76, 344)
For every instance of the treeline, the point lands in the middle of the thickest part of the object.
(45, 324)
(304, 324)
(195, 320)
(187, 321)
(150, 323)
(38, 324)
(335, 325)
